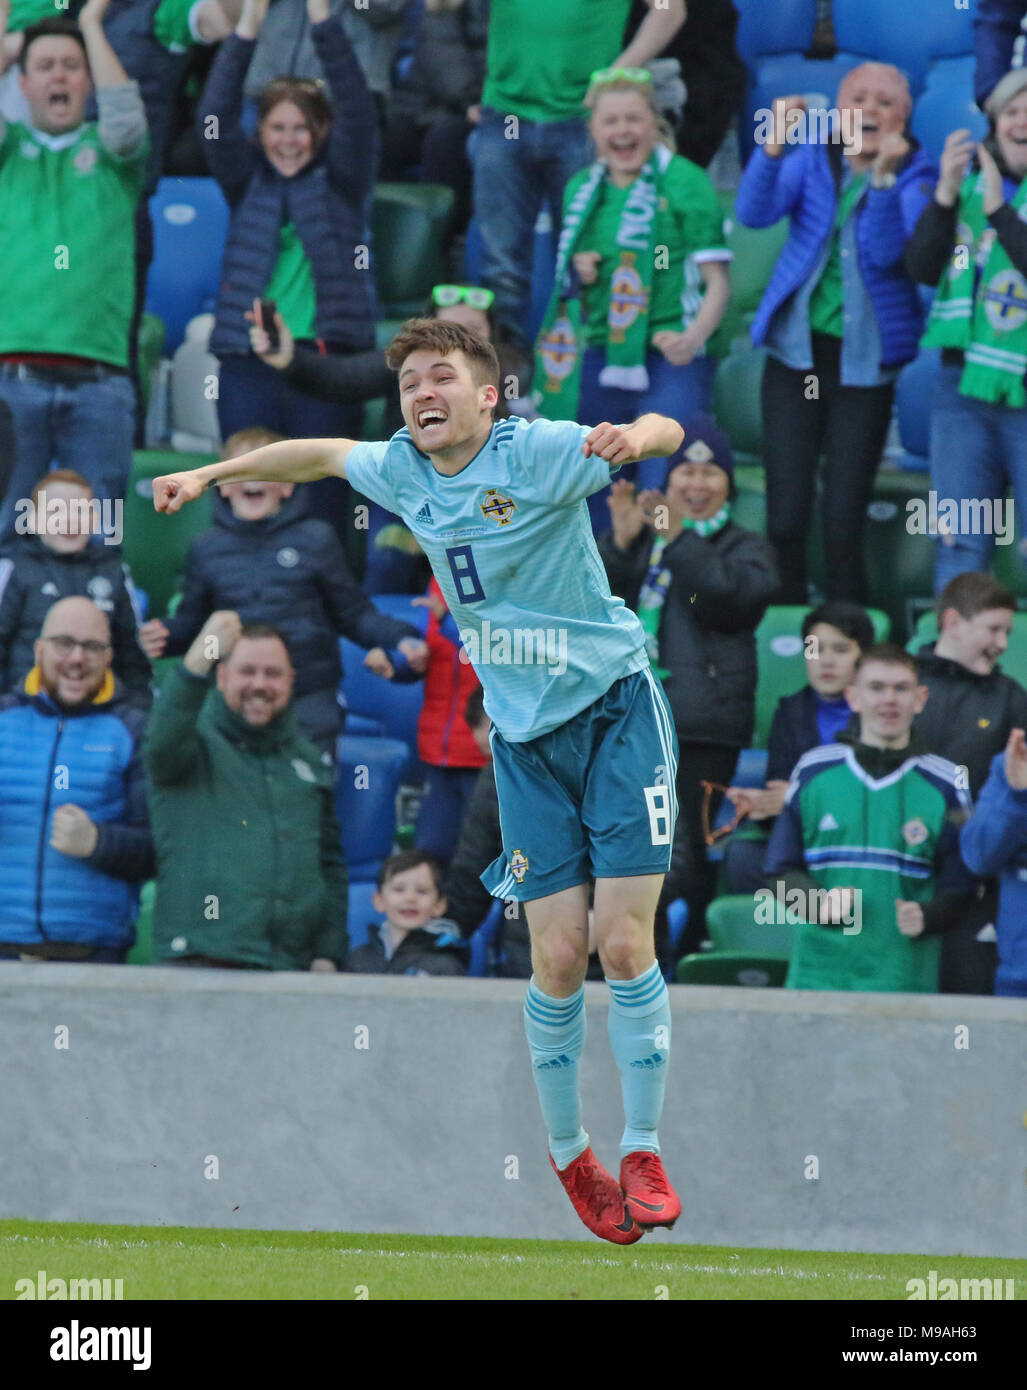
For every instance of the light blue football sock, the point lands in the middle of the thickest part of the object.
(555, 1029)
(640, 1038)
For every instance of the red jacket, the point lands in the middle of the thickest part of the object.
(444, 738)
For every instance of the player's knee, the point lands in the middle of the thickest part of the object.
(561, 961)
(626, 950)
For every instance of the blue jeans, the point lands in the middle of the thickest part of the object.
(512, 180)
(679, 392)
(977, 451)
(438, 824)
(88, 426)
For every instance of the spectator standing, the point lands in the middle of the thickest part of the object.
(268, 561)
(997, 26)
(55, 561)
(415, 938)
(642, 279)
(300, 203)
(69, 188)
(74, 833)
(434, 109)
(531, 136)
(840, 315)
(700, 585)
(994, 841)
(972, 244)
(869, 837)
(260, 882)
(972, 710)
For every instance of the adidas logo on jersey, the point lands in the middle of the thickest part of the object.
(424, 516)
(827, 822)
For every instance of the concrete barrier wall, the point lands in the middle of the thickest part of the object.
(357, 1103)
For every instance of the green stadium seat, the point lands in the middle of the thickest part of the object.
(1014, 660)
(408, 223)
(736, 399)
(155, 546)
(756, 250)
(142, 952)
(749, 508)
(386, 329)
(149, 346)
(1009, 563)
(782, 665)
(732, 968)
(732, 926)
(900, 563)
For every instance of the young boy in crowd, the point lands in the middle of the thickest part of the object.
(54, 560)
(268, 561)
(834, 637)
(866, 847)
(415, 938)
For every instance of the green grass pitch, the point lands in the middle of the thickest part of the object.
(181, 1262)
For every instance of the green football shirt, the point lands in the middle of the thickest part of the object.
(67, 243)
(171, 24)
(26, 12)
(541, 54)
(292, 285)
(826, 305)
(689, 223)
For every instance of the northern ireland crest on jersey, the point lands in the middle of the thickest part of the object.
(914, 832)
(496, 507)
(519, 865)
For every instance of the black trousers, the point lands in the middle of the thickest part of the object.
(691, 875)
(849, 425)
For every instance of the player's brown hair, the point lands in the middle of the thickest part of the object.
(888, 652)
(445, 337)
(244, 441)
(973, 593)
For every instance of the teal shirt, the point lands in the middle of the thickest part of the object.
(511, 545)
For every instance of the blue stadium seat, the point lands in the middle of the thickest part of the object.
(395, 709)
(401, 606)
(911, 34)
(190, 224)
(482, 940)
(677, 920)
(367, 813)
(943, 109)
(786, 26)
(816, 79)
(914, 393)
(361, 912)
(952, 72)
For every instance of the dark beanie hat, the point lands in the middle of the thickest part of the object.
(704, 442)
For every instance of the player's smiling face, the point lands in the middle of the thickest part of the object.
(443, 408)
(56, 84)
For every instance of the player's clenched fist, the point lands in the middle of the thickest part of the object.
(172, 491)
(612, 443)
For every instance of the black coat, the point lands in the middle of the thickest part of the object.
(793, 731)
(720, 588)
(289, 570)
(968, 718)
(423, 951)
(32, 579)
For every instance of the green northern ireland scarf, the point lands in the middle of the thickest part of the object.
(559, 347)
(653, 593)
(990, 327)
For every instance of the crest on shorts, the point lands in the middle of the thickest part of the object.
(519, 865)
(496, 507)
(914, 832)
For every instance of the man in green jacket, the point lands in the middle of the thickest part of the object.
(249, 864)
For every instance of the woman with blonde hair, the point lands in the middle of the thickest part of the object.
(641, 276)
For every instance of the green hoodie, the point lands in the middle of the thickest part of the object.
(250, 866)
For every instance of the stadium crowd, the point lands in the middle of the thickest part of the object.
(215, 773)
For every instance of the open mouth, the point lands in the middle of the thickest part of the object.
(624, 145)
(59, 101)
(254, 490)
(427, 418)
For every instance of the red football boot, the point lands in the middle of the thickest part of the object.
(648, 1196)
(597, 1199)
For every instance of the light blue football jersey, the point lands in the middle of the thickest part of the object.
(510, 543)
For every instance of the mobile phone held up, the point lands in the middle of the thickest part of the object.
(264, 311)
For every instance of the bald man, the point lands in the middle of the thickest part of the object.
(74, 833)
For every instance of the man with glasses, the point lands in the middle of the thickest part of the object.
(74, 833)
(531, 135)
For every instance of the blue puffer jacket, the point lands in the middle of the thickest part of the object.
(328, 202)
(89, 757)
(802, 184)
(994, 841)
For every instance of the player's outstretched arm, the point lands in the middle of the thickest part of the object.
(291, 461)
(651, 436)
